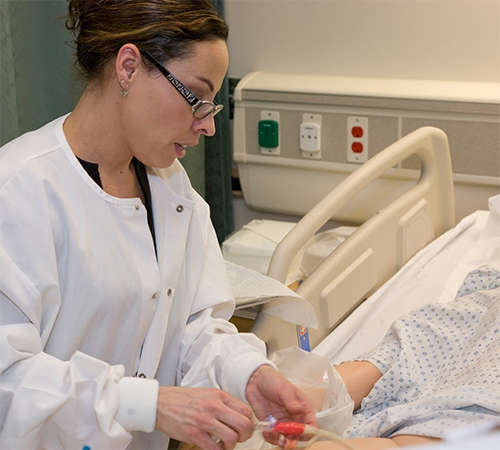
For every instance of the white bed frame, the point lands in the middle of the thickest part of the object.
(378, 248)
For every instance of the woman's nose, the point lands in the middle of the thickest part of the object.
(206, 125)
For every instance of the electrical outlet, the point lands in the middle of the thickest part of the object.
(310, 136)
(357, 139)
(269, 133)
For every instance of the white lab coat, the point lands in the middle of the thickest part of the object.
(86, 305)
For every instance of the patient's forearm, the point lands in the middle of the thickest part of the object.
(358, 444)
(359, 378)
(375, 443)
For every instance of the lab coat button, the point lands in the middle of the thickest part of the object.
(137, 207)
(180, 208)
(169, 292)
(155, 295)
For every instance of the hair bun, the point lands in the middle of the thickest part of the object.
(167, 28)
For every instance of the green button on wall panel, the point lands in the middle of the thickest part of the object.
(268, 133)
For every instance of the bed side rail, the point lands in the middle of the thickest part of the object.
(379, 247)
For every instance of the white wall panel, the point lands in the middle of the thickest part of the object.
(451, 40)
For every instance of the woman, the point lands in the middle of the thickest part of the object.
(113, 291)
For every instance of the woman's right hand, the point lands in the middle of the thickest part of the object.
(207, 417)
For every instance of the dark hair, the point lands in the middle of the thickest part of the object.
(165, 28)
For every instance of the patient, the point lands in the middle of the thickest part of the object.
(437, 369)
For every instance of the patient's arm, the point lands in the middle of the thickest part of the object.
(375, 443)
(359, 378)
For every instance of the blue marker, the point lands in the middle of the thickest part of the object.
(303, 335)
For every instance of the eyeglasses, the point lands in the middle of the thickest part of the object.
(201, 108)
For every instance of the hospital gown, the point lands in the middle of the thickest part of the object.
(440, 366)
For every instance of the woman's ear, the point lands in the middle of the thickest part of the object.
(127, 62)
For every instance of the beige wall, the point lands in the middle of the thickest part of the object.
(455, 40)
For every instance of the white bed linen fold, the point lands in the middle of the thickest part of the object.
(433, 275)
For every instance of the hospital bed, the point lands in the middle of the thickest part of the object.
(406, 256)
(406, 251)
(403, 198)
(378, 248)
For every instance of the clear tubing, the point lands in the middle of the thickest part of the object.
(299, 429)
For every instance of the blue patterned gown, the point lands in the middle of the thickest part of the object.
(440, 365)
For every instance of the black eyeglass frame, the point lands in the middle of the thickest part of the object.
(194, 101)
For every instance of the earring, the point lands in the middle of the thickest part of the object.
(124, 90)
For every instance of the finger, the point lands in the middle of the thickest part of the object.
(238, 406)
(301, 410)
(299, 407)
(295, 400)
(274, 438)
(208, 442)
(232, 420)
(271, 436)
(226, 440)
(311, 418)
(223, 438)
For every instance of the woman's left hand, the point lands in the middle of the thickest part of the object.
(270, 393)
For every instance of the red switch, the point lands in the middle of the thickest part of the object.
(357, 147)
(357, 132)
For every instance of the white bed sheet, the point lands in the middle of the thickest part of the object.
(433, 275)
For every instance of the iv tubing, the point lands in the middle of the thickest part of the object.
(299, 429)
